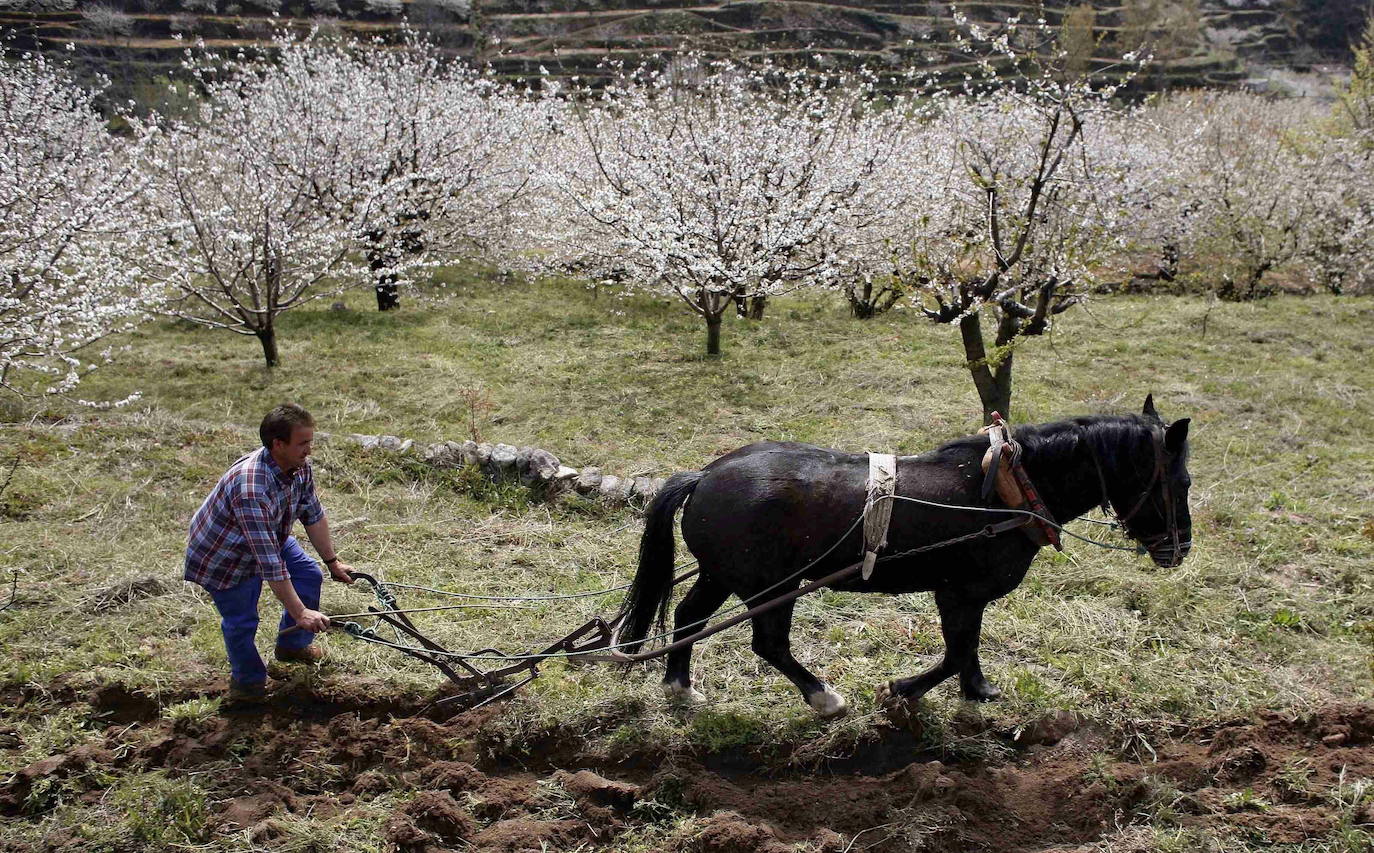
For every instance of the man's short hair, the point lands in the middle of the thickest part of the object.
(281, 421)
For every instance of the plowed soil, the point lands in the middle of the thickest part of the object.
(1064, 785)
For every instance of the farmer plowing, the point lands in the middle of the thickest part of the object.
(767, 523)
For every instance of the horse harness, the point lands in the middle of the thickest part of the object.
(1003, 473)
(882, 485)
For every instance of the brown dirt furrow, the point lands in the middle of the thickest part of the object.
(1270, 777)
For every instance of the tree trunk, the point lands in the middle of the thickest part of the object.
(1001, 384)
(861, 300)
(994, 388)
(756, 306)
(713, 334)
(379, 256)
(268, 338)
(387, 297)
(1168, 262)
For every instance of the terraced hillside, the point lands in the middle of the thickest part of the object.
(1196, 42)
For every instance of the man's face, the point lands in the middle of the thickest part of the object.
(291, 455)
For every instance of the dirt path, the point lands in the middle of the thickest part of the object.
(1063, 786)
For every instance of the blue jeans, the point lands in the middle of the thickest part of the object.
(238, 610)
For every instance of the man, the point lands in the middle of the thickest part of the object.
(241, 536)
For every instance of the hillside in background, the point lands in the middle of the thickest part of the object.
(1196, 42)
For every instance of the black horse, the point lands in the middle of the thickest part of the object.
(757, 515)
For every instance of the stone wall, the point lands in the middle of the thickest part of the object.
(533, 467)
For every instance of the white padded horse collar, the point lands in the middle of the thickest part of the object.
(882, 485)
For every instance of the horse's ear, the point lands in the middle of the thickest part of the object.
(1149, 410)
(1176, 435)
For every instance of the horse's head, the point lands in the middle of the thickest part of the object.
(1150, 494)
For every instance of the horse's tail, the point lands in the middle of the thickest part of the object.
(653, 583)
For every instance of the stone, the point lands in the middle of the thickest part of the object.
(642, 487)
(452, 455)
(442, 455)
(501, 464)
(541, 466)
(469, 451)
(588, 482)
(610, 487)
(621, 493)
(522, 464)
(481, 455)
(394, 444)
(369, 442)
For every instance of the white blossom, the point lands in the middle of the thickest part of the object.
(714, 181)
(68, 225)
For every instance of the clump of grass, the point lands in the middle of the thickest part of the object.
(717, 731)
(161, 810)
(52, 732)
(1246, 800)
(193, 713)
(1293, 780)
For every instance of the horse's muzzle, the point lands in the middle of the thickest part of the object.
(1168, 557)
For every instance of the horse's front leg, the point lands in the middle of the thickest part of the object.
(971, 680)
(961, 623)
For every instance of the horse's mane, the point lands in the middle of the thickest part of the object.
(1111, 436)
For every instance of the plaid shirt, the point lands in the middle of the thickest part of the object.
(240, 529)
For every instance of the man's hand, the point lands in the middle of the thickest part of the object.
(311, 620)
(340, 571)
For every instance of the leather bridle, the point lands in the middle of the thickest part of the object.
(1158, 475)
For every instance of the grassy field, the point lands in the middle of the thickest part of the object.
(1274, 609)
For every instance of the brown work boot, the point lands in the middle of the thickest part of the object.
(247, 693)
(309, 654)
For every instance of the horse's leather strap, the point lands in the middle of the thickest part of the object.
(1004, 474)
(882, 485)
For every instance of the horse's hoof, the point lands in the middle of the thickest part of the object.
(984, 692)
(683, 693)
(827, 703)
(903, 712)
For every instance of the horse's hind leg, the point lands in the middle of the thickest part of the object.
(961, 622)
(773, 643)
(704, 598)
